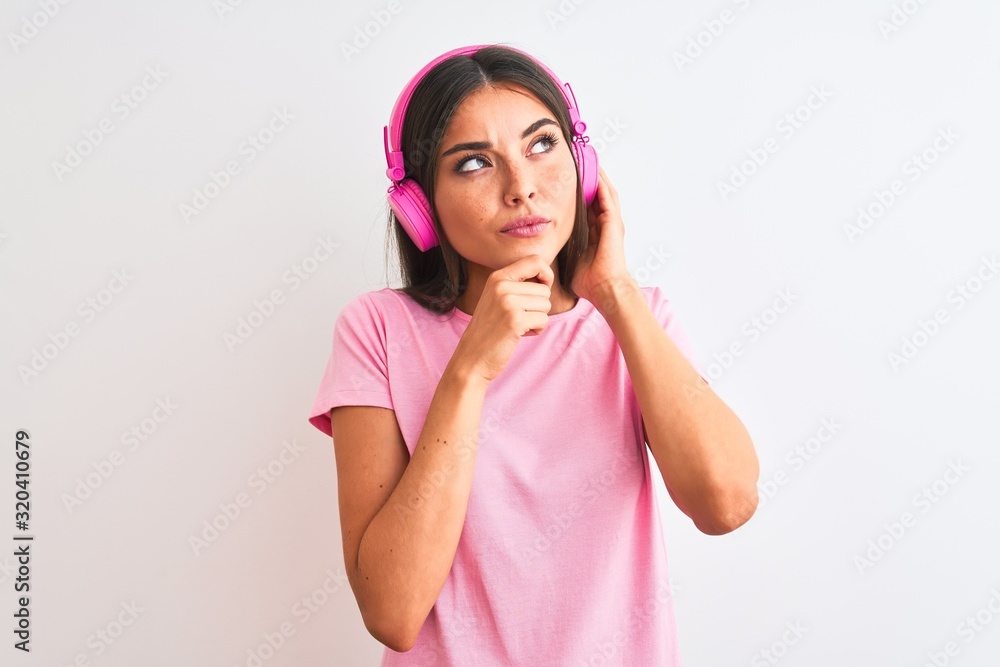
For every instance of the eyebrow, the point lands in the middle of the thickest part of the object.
(483, 145)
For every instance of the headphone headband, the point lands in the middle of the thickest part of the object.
(394, 130)
(409, 203)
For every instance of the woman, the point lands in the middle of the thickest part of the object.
(490, 419)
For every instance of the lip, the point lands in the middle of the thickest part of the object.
(525, 222)
(527, 231)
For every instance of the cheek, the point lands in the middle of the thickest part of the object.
(561, 179)
(452, 202)
(461, 210)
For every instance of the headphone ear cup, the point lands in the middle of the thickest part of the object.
(586, 160)
(409, 203)
(413, 211)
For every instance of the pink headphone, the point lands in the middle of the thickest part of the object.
(408, 201)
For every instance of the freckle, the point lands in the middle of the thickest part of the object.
(380, 486)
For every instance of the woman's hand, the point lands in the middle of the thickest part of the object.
(603, 262)
(515, 302)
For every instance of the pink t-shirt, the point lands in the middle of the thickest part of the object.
(561, 560)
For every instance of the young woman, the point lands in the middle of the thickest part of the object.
(490, 419)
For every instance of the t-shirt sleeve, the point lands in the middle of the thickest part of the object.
(665, 314)
(357, 371)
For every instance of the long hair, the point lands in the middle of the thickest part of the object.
(436, 278)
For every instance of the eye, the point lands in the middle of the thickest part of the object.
(548, 138)
(469, 158)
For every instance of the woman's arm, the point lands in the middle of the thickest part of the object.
(399, 553)
(703, 451)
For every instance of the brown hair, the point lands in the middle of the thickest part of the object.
(436, 278)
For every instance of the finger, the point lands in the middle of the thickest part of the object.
(536, 304)
(537, 270)
(537, 321)
(607, 182)
(546, 274)
(527, 268)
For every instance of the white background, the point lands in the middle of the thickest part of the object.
(683, 128)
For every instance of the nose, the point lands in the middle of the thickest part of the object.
(520, 185)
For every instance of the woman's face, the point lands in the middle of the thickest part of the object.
(519, 173)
